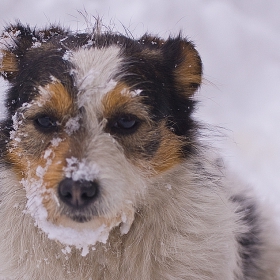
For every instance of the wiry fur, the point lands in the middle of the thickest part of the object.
(191, 219)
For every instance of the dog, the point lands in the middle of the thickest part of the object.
(104, 173)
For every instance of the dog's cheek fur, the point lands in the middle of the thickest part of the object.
(169, 154)
(25, 163)
(53, 175)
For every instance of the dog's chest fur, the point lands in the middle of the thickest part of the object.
(103, 175)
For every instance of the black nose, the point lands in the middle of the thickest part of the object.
(77, 194)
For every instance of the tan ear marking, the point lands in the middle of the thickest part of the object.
(188, 73)
(8, 62)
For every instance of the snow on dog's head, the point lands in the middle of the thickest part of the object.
(90, 126)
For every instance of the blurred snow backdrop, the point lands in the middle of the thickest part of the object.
(239, 42)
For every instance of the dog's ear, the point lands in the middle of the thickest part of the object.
(185, 64)
(16, 40)
(181, 60)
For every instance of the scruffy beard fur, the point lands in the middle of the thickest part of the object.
(102, 173)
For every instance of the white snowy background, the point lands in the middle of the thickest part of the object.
(239, 41)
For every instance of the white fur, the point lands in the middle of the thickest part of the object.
(94, 73)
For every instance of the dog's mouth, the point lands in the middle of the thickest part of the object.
(76, 213)
(84, 214)
(80, 218)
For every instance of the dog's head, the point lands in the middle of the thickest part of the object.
(93, 118)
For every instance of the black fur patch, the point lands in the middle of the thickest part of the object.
(250, 241)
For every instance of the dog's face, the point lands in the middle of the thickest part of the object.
(93, 119)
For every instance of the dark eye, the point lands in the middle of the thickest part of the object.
(46, 122)
(126, 124)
